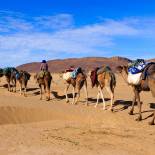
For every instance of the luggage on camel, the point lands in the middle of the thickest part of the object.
(136, 66)
(135, 69)
(134, 79)
(67, 75)
(73, 74)
(76, 72)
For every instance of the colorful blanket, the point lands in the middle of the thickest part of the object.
(76, 72)
(136, 66)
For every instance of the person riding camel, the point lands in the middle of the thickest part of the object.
(43, 68)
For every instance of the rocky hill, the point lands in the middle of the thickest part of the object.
(86, 63)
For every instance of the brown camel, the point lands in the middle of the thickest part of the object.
(23, 78)
(145, 85)
(105, 80)
(10, 74)
(45, 82)
(78, 83)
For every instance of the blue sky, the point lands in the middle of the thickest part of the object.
(32, 30)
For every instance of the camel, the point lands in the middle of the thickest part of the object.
(78, 82)
(105, 80)
(145, 85)
(10, 74)
(23, 78)
(1, 72)
(45, 82)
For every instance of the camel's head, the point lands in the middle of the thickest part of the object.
(120, 69)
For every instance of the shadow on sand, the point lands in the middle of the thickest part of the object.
(126, 105)
(94, 100)
(61, 97)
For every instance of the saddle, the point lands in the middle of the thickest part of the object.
(141, 76)
(136, 66)
(76, 72)
(72, 74)
(42, 74)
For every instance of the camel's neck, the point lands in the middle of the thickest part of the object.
(124, 75)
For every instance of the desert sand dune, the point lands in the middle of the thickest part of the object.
(29, 126)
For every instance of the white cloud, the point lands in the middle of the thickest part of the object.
(60, 21)
(24, 39)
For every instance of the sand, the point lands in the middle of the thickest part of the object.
(29, 126)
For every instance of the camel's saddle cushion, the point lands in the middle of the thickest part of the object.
(68, 75)
(135, 70)
(134, 79)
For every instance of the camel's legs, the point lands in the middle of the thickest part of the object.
(133, 102)
(111, 96)
(40, 91)
(78, 96)
(8, 82)
(98, 95)
(139, 105)
(67, 87)
(9, 87)
(86, 92)
(13, 85)
(153, 119)
(73, 95)
(102, 97)
(47, 91)
(48, 95)
(25, 90)
(20, 89)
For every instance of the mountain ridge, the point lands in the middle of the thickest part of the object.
(87, 63)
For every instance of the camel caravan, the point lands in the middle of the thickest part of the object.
(140, 75)
(12, 75)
